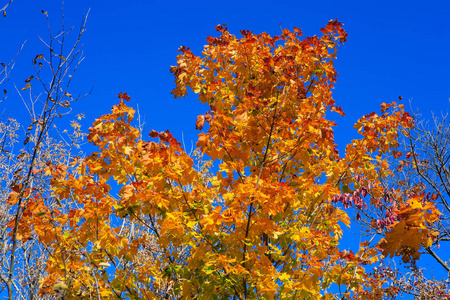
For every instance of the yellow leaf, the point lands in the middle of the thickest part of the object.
(60, 286)
(284, 276)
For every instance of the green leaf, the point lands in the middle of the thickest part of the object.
(346, 189)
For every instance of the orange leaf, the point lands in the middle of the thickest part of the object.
(200, 122)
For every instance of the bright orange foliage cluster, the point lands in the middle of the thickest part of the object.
(407, 236)
(263, 225)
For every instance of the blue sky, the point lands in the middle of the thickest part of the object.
(394, 48)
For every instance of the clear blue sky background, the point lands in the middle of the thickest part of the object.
(394, 48)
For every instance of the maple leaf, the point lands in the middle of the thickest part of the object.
(412, 232)
(124, 96)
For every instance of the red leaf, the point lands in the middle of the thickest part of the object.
(153, 134)
(124, 96)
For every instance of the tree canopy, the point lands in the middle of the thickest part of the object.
(256, 212)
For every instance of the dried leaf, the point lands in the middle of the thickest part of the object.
(200, 122)
(27, 86)
(153, 134)
(29, 78)
(397, 154)
(65, 103)
(16, 173)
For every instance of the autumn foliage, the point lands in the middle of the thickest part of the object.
(260, 218)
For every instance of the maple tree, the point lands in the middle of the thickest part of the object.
(258, 214)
